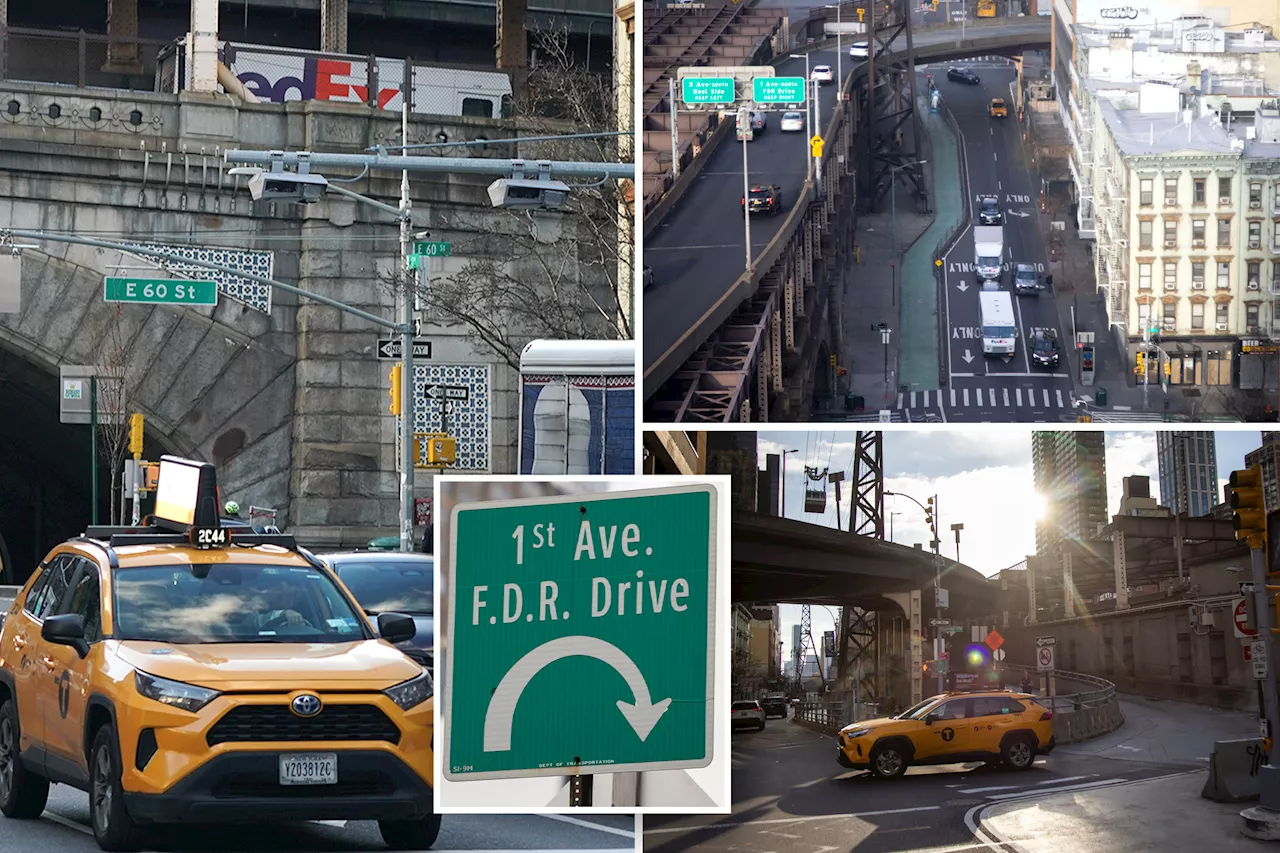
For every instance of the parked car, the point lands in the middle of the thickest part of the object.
(774, 706)
(747, 714)
(764, 198)
(989, 212)
(393, 581)
(963, 75)
(998, 108)
(792, 122)
(1045, 350)
(822, 74)
(1026, 281)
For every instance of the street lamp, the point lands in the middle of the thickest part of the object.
(808, 131)
(931, 515)
(839, 76)
(782, 507)
(956, 528)
(891, 517)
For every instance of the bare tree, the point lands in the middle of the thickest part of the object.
(558, 275)
(117, 383)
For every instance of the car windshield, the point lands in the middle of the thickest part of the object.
(997, 331)
(917, 711)
(745, 706)
(989, 262)
(232, 603)
(790, 116)
(988, 205)
(996, 102)
(1044, 344)
(1026, 275)
(757, 193)
(387, 585)
(823, 69)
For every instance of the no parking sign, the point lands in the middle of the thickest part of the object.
(1044, 653)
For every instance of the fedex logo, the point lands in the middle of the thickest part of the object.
(321, 80)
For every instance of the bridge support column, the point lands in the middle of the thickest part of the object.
(333, 27)
(1122, 570)
(513, 45)
(1068, 587)
(910, 604)
(202, 45)
(122, 22)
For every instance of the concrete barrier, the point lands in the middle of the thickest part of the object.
(1233, 771)
(1085, 723)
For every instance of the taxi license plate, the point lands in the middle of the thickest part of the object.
(319, 768)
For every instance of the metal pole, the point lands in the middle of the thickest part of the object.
(1270, 711)
(746, 191)
(675, 133)
(893, 206)
(93, 444)
(817, 131)
(937, 575)
(839, 74)
(407, 460)
(451, 165)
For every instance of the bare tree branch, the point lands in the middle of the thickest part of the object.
(117, 383)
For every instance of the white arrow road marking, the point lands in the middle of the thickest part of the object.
(962, 286)
(1018, 213)
(968, 357)
(643, 715)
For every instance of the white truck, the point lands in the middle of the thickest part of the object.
(999, 328)
(988, 251)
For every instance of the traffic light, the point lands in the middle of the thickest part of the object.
(395, 389)
(1250, 518)
(135, 434)
(833, 361)
(928, 516)
(1140, 363)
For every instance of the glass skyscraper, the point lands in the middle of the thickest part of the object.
(1188, 472)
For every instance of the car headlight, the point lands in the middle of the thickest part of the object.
(856, 733)
(412, 693)
(188, 697)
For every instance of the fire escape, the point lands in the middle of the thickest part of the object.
(1111, 260)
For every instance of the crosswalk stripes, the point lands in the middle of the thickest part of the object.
(1126, 417)
(995, 398)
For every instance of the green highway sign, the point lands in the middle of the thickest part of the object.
(707, 90)
(778, 90)
(168, 291)
(576, 634)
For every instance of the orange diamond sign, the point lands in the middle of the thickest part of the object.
(994, 640)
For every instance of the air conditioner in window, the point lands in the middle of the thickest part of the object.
(1253, 284)
(1255, 205)
(1197, 284)
(1170, 285)
(1171, 244)
(1197, 244)
(1221, 327)
(1226, 199)
(1170, 325)
(1255, 244)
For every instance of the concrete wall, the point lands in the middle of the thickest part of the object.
(290, 402)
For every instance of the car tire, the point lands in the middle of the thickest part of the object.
(888, 761)
(1019, 753)
(113, 826)
(410, 834)
(23, 794)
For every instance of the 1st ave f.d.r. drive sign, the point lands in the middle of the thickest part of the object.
(581, 634)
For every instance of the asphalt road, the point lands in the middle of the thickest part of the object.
(65, 827)
(790, 794)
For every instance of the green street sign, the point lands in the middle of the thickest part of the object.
(707, 90)
(167, 291)
(576, 634)
(778, 90)
(428, 250)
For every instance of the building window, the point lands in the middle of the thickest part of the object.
(1197, 232)
(1224, 190)
(1222, 316)
(1144, 314)
(1144, 233)
(1224, 232)
(1224, 275)
(1170, 275)
(1275, 235)
(1251, 317)
(1218, 363)
(1199, 191)
(1255, 271)
(1170, 233)
(1145, 191)
(1276, 201)
(1170, 191)
(1197, 316)
(1255, 235)
(1170, 315)
(1144, 277)
(1197, 273)
(1255, 195)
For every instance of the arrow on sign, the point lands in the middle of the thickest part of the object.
(643, 714)
(968, 357)
(446, 392)
(389, 348)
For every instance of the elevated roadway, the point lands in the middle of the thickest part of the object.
(697, 252)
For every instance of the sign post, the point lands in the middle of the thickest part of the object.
(576, 634)
(1046, 662)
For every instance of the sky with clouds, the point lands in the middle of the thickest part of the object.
(983, 480)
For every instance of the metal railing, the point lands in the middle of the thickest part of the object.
(81, 59)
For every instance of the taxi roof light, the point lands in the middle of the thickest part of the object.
(186, 495)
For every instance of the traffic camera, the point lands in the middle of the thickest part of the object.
(1250, 517)
(518, 194)
(287, 186)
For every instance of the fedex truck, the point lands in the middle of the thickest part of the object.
(577, 407)
(999, 328)
(988, 251)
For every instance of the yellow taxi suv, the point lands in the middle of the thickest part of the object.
(991, 726)
(186, 671)
(998, 108)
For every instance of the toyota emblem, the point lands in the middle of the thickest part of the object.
(306, 705)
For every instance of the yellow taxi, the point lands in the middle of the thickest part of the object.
(998, 108)
(991, 726)
(186, 671)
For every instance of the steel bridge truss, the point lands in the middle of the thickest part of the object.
(889, 138)
(867, 518)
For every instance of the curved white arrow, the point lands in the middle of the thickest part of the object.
(643, 715)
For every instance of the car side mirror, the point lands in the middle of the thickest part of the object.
(66, 629)
(931, 719)
(396, 627)
(1048, 281)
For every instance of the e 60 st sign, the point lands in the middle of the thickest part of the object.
(581, 634)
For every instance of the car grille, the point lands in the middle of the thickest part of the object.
(267, 784)
(259, 723)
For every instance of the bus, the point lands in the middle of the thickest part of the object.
(577, 407)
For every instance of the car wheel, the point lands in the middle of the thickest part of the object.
(410, 834)
(888, 762)
(113, 826)
(1019, 753)
(22, 793)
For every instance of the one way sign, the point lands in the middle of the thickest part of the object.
(389, 349)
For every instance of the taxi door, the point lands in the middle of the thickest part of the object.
(64, 692)
(948, 733)
(25, 648)
(992, 716)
